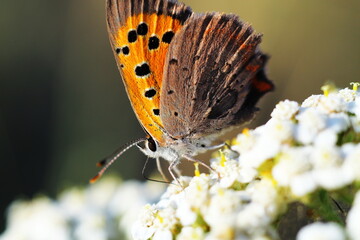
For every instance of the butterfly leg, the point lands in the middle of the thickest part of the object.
(216, 146)
(158, 164)
(172, 168)
(191, 159)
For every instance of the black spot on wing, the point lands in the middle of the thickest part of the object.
(142, 29)
(156, 112)
(167, 37)
(132, 36)
(154, 43)
(126, 50)
(142, 70)
(150, 93)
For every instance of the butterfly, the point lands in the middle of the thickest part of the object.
(189, 76)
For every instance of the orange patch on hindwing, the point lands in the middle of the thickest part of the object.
(141, 46)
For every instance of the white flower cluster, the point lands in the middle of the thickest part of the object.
(303, 152)
(100, 212)
(302, 149)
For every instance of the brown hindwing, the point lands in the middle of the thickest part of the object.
(213, 77)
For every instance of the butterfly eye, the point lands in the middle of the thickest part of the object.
(151, 145)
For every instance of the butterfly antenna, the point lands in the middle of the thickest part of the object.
(110, 160)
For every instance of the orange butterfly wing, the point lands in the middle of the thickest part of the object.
(140, 32)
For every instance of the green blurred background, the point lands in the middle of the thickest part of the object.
(63, 106)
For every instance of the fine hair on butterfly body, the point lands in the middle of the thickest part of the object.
(189, 76)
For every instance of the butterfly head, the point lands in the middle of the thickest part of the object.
(153, 149)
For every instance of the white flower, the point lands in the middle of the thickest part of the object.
(162, 235)
(332, 103)
(73, 202)
(292, 162)
(312, 101)
(325, 138)
(99, 194)
(39, 219)
(221, 232)
(303, 184)
(347, 94)
(265, 205)
(265, 193)
(128, 199)
(338, 122)
(244, 141)
(285, 110)
(264, 148)
(186, 214)
(323, 157)
(355, 123)
(351, 164)
(353, 219)
(230, 171)
(280, 131)
(92, 226)
(355, 107)
(331, 178)
(192, 233)
(165, 220)
(198, 191)
(311, 122)
(223, 205)
(144, 228)
(321, 231)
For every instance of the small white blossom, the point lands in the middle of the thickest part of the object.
(188, 233)
(355, 123)
(285, 110)
(348, 95)
(162, 235)
(280, 131)
(326, 138)
(73, 202)
(92, 226)
(355, 107)
(321, 231)
(338, 122)
(303, 184)
(143, 228)
(311, 122)
(312, 101)
(244, 142)
(353, 219)
(332, 103)
(351, 164)
(292, 162)
(324, 157)
(40, 219)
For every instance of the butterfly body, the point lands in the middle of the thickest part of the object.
(189, 76)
